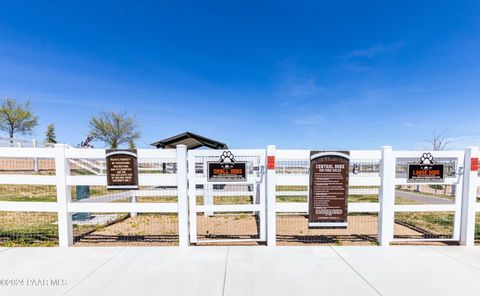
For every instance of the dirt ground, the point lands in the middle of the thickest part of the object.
(143, 230)
(162, 229)
(158, 229)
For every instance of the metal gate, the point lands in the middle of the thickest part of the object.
(227, 211)
(428, 211)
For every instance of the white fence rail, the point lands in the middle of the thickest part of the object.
(376, 173)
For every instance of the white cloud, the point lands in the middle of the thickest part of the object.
(372, 51)
(309, 120)
(304, 89)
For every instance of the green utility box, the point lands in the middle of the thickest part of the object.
(83, 192)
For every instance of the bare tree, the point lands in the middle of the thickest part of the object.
(115, 128)
(438, 141)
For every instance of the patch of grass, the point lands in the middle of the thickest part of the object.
(362, 198)
(227, 200)
(290, 198)
(31, 193)
(436, 223)
(165, 199)
(20, 229)
(292, 188)
(406, 201)
(449, 197)
(477, 227)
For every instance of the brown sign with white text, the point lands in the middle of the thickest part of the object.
(328, 196)
(122, 169)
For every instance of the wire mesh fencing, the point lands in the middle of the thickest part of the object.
(477, 217)
(238, 228)
(425, 194)
(28, 193)
(146, 166)
(228, 228)
(150, 194)
(292, 193)
(450, 165)
(27, 166)
(293, 229)
(227, 194)
(477, 228)
(28, 229)
(358, 167)
(124, 229)
(286, 194)
(424, 225)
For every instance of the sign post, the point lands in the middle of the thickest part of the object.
(122, 169)
(328, 194)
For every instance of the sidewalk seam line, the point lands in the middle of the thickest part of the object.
(454, 259)
(225, 272)
(358, 273)
(95, 270)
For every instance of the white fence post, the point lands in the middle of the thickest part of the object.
(469, 198)
(133, 199)
(62, 169)
(192, 197)
(386, 197)
(182, 186)
(207, 197)
(271, 198)
(35, 160)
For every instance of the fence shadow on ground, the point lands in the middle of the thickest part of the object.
(103, 239)
(351, 239)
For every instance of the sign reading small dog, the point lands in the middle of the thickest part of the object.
(122, 169)
(426, 170)
(227, 169)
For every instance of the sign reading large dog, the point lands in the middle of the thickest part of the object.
(426, 170)
(227, 169)
(122, 169)
(328, 194)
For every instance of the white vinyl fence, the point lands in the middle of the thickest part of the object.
(176, 203)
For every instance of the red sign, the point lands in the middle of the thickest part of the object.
(474, 164)
(271, 162)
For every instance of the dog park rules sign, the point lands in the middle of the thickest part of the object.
(122, 169)
(328, 194)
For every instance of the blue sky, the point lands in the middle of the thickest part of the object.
(298, 74)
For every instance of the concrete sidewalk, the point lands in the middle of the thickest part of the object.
(397, 270)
